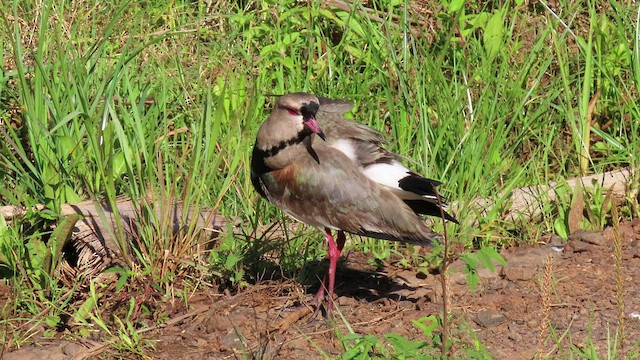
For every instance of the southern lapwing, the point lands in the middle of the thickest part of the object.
(344, 181)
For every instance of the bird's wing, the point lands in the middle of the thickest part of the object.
(331, 119)
(365, 147)
(332, 192)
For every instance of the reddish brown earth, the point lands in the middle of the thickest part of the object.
(505, 313)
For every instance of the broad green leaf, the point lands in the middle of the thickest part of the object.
(455, 6)
(493, 34)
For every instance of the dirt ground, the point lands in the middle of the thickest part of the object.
(269, 320)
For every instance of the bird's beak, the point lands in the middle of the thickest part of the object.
(313, 126)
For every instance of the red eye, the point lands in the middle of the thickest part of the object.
(292, 112)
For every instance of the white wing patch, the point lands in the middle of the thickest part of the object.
(390, 175)
(386, 174)
(346, 147)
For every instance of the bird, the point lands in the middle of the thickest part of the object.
(334, 173)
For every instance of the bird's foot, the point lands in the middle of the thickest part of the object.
(321, 307)
(316, 303)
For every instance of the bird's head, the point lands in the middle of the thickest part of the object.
(299, 110)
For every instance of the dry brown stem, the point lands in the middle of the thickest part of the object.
(545, 294)
(617, 253)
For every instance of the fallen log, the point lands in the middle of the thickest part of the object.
(527, 203)
(93, 245)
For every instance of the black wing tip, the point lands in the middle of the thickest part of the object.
(418, 184)
(429, 208)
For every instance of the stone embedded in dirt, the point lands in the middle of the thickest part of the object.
(488, 275)
(300, 343)
(634, 249)
(591, 237)
(556, 240)
(458, 278)
(551, 239)
(414, 293)
(346, 301)
(217, 323)
(608, 234)
(489, 318)
(627, 233)
(231, 340)
(59, 351)
(522, 264)
(458, 275)
(70, 349)
(514, 333)
(411, 278)
(519, 273)
(533, 257)
(578, 246)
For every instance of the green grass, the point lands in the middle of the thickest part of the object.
(100, 101)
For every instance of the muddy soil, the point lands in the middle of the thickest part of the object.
(270, 320)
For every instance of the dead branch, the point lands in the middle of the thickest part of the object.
(527, 203)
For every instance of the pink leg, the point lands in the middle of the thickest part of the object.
(329, 280)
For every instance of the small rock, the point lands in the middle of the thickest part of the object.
(70, 349)
(406, 304)
(412, 279)
(583, 311)
(608, 234)
(217, 323)
(489, 318)
(299, 343)
(458, 278)
(578, 246)
(522, 273)
(529, 257)
(486, 274)
(231, 340)
(627, 233)
(403, 293)
(634, 249)
(36, 353)
(345, 301)
(168, 338)
(552, 239)
(590, 237)
(513, 333)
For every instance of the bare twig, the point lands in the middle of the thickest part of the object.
(545, 295)
(617, 244)
(443, 280)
